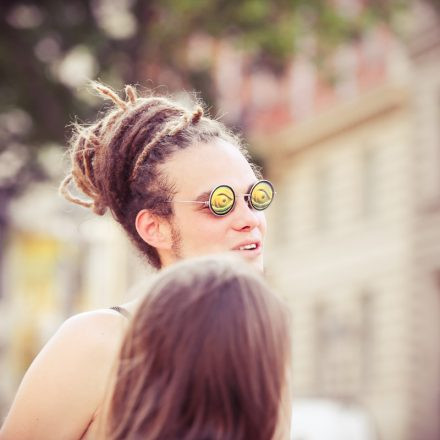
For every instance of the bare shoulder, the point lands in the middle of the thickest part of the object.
(93, 335)
(66, 382)
(97, 329)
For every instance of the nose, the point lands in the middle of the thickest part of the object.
(245, 218)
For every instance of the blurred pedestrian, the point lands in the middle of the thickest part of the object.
(181, 185)
(205, 358)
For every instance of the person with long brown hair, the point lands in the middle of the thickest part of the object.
(181, 185)
(205, 357)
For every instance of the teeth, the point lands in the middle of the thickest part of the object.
(248, 247)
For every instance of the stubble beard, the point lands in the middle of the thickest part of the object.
(176, 239)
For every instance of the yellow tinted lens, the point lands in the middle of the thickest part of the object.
(222, 200)
(261, 195)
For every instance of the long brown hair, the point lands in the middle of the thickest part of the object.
(115, 161)
(205, 357)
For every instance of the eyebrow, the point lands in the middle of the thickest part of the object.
(203, 197)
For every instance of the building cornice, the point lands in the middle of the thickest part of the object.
(342, 117)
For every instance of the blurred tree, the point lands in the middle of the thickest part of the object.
(49, 47)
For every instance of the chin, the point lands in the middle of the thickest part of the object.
(255, 260)
(257, 263)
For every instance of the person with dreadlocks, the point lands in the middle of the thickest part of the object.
(181, 185)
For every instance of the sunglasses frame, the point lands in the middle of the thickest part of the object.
(252, 189)
(247, 197)
(210, 199)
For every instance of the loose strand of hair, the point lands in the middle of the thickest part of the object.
(81, 183)
(197, 115)
(82, 161)
(64, 191)
(88, 167)
(110, 94)
(131, 94)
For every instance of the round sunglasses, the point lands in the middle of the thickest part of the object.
(222, 198)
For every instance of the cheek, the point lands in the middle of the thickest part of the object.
(202, 231)
(263, 223)
(210, 230)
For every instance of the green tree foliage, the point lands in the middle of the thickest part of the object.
(43, 45)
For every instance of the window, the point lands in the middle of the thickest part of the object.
(281, 214)
(369, 183)
(366, 338)
(323, 202)
(339, 350)
(330, 344)
(321, 345)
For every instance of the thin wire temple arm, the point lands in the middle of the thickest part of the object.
(197, 201)
(206, 203)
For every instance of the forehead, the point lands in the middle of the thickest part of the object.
(204, 166)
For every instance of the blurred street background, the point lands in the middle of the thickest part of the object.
(339, 101)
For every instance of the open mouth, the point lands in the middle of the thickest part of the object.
(248, 247)
(251, 247)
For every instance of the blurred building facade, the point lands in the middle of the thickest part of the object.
(355, 232)
(60, 260)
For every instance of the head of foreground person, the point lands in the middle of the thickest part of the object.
(205, 357)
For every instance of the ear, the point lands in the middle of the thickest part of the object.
(154, 230)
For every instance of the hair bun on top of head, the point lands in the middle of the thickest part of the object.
(89, 144)
(85, 142)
